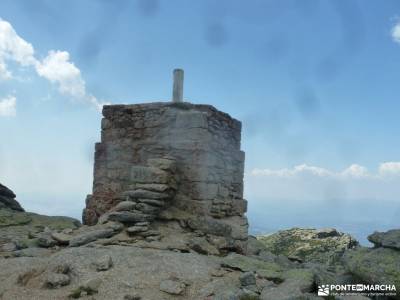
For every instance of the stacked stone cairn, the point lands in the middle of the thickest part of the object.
(152, 189)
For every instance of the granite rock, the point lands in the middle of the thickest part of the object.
(388, 239)
(7, 199)
(305, 245)
(172, 287)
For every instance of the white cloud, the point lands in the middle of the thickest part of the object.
(4, 73)
(389, 168)
(355, 171)
(8, 107)
(296, 171)
(396, 33)
(56, 67)
(304, 182)
(14, 47)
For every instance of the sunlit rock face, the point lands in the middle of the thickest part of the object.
(164, 156)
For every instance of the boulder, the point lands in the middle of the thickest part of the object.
(104, 263)
(61, 238)
(6, 192)
(7, 199)
(324, 246)
(326, 275)
(91, 286)
(297, 283)
(45, 240)
(247, 278)
(56, 280)
(202, 246)
(254, 246)
(388, 239)
(245, 294)
(116, 226)
(9, 247)
(374, 266)
(61, 268)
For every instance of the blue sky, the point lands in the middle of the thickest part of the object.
(315, 83)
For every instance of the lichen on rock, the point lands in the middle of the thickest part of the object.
(309, 245)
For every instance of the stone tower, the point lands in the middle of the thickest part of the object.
(186, 155)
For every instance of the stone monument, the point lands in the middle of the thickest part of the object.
(162, 157)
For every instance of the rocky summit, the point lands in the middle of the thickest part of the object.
(166, 219)
(175, 257)
(309, 245)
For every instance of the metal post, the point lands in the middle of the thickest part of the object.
(177, 92)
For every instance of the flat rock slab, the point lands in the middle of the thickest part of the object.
(134, 270)
(61, 238)
(159, 203)
(140, 193)
(155, 187)
(90, 236)
(125, 206)
(129, 217)
(136, 229)
(268, 270)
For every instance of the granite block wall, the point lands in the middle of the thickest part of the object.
(203, 142)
